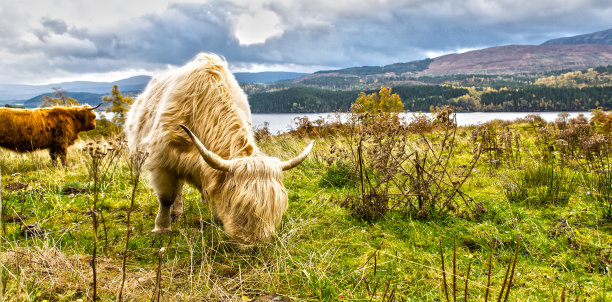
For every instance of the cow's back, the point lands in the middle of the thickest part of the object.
(202, 95)
(24, 130)
(142, 120)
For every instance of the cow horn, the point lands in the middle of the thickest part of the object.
(212, 159)
(93, 108)
(292, 163)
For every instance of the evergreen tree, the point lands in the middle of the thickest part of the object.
(119, 105)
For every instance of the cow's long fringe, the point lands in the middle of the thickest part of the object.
(248, 215)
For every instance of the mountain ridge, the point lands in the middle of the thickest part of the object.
(20, 93)
(513, 59)
(603, 37)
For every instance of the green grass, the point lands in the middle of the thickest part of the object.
(320, 252)
(542, 184)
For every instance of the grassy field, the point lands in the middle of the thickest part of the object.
(322, 251)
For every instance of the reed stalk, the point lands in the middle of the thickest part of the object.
(136, 161)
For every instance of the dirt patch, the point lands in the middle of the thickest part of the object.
(14, 186)
(70, 190)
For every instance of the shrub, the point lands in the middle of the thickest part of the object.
(304, 127)
(406, 167)
(262, 133)
(119, 105)
(602, 121)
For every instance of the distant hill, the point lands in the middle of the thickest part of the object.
(397, 68)
(16, 93)
(92, 99)
(22, 94)
(571, 53)
(516, 59)
(137, 83)
(603, 37)
(499, 60)
(266, 76)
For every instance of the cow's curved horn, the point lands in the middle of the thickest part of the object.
(292, 163)
(212, 159)
(92, 108)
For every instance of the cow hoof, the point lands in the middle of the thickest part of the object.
(158, 230)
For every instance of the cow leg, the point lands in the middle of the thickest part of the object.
(56, 151)
(176, 210)
(166, 185)
(62, 156)
(53, 155)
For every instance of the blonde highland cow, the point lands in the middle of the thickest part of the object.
(202, 101)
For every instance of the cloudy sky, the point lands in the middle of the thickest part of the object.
(44, 41)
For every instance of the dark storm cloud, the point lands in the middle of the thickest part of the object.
(173, 37)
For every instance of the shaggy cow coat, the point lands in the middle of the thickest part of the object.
(244, 185)
(55, 128)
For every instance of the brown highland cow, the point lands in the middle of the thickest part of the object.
(54, 128)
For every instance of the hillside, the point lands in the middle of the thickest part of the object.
(397, 68)
(18, 93)
(499, 60)
(603, 37)
(514, 59)
(266, 76)
(83, 98)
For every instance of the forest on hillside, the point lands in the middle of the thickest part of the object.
(310, 99)
(566, 91)
(423, 97)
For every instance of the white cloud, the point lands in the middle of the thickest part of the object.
(66, 45)
(94, 15)
(257, 67)
(437, 53)
(103, 76)
(257, 27)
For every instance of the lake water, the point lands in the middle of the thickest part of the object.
(282, 122)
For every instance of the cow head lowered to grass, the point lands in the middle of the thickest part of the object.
(55, 128)
(244, 185)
